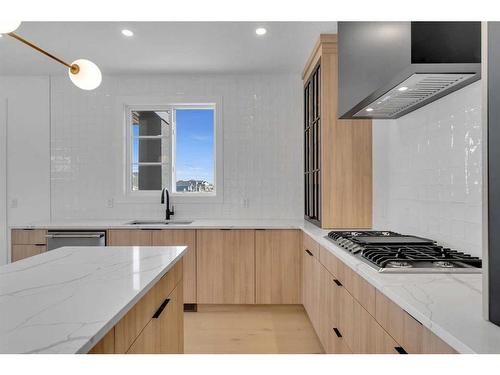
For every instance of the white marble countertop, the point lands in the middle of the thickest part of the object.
(66, 300)
(196, 224)
(449, 305)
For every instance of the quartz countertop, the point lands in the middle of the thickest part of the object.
(196, 224)
(450, 305)
(66, 300)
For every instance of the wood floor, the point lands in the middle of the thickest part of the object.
(246, 329)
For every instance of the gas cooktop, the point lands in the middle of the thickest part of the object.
(392, 252)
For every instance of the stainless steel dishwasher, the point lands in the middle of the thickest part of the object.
(56, 239)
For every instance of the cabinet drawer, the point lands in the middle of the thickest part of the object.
(168, 282)
(25, 251)
(329, 261)
(28, 237)
(358, 287)
(411, 334)
(131, 325)
(148, 341)
(129, 237)
(311, 245)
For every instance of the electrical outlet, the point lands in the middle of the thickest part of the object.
(109, 203)
(13, 203)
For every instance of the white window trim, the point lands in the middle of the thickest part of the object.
(124, 191)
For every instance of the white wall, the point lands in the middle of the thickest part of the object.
(262, 146)
(3, 180)
(427, 171)
(26, 139)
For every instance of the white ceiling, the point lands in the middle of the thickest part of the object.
(164, 47)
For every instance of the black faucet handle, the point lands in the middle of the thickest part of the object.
(172, 210)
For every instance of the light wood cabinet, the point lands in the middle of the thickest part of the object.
(225, 266)
(148, 341)
(278, 267)
(28, 237)
(106, 345)
(181, 237)
(311, 287)
(27, 242)
(24, 251)
(338, 153)
(171, 323)
(155, 324)
(329, 309)
(129, 237)
(411, 334)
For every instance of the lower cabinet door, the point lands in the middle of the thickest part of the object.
(171, 324)
(225, 264)
(148, 341)
(311, 288)
(25, 251)
(181, 237)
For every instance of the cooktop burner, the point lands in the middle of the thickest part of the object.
(393, 252)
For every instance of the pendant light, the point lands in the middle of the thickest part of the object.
(83, 73)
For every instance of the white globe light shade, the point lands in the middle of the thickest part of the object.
(89, 77)
(8, 26)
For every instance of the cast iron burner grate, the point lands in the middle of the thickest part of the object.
(439, 256)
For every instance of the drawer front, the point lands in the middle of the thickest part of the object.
(329, 261)
(358, 287)
(28, 237)
(25, 251)
(131, 325)
(311, 245)
(168, 282)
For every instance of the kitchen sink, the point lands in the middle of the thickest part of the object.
(160, 222)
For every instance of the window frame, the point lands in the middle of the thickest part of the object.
(128, 104)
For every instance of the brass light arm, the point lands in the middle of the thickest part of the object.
(74, 69)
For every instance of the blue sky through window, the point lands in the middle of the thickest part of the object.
(195, 144)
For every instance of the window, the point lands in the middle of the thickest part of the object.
(172, 146)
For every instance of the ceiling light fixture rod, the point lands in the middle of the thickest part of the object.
(73, 68)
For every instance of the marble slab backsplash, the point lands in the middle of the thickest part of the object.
(428, 172)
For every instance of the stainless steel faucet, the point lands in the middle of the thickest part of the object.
(165, 199)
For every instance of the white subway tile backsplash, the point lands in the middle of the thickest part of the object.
(262, 146)
(427, 171)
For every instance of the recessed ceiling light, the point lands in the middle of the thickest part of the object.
(403, 88)
(260, 31)
(369, 109)
(127, 32)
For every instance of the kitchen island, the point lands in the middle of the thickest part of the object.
(69, 299)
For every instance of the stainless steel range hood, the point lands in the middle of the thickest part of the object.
(388, 69)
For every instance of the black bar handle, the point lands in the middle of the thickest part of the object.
(400, 350)
(161, 308)
(309, 253)
(337, 332)
(337, 282)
